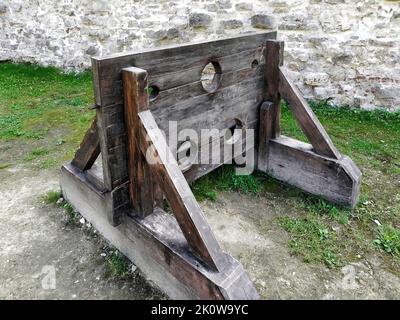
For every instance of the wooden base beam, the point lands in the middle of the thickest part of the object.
(294, 162)
(156, 245)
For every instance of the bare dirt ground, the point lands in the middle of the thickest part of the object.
(35, 235)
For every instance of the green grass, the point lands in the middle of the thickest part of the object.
(36, 153)
(4, 165)
(72, 215)
(321, 207)
(312, 240)
(371, 139)
(52, 197)
(224, 179)
(44, 106)
(389, 239)
(118, 264)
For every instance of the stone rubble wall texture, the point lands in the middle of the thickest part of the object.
(344, 51)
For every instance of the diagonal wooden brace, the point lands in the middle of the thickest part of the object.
(306, 118)
(178, 193)
(89, 149)
(318, 167)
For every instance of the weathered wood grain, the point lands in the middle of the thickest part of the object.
(170, 68)
(95, 174)
(274, 59)
(306, 118)
(295, 163)
(107, 77)
(229, 64)
(210, 111)
(169, 97)
(220, 148)
(178, 193)
(112, 137)
(111, 132)
(179, 76)
(89, 149)
(214, 111)
(137, 100)
(265, 133)
(156, 245)
(118, 204)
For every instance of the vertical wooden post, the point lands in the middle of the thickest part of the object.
(270, 110)
(265, 134)
(273, 60)
(141, 186)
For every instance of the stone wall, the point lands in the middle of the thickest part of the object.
(346, 51)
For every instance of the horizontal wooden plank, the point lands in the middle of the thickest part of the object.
(112, 89)
(159, 61)
(295, 163)
(219, 146)
(185, 93)
(229, 63)
(185, 56)
(215, 111)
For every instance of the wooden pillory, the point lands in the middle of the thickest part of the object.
(121, 195)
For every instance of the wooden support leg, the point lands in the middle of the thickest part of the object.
(296, 163)
(306, 118)
(317, 168)
(84, 159)
(89, 149)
